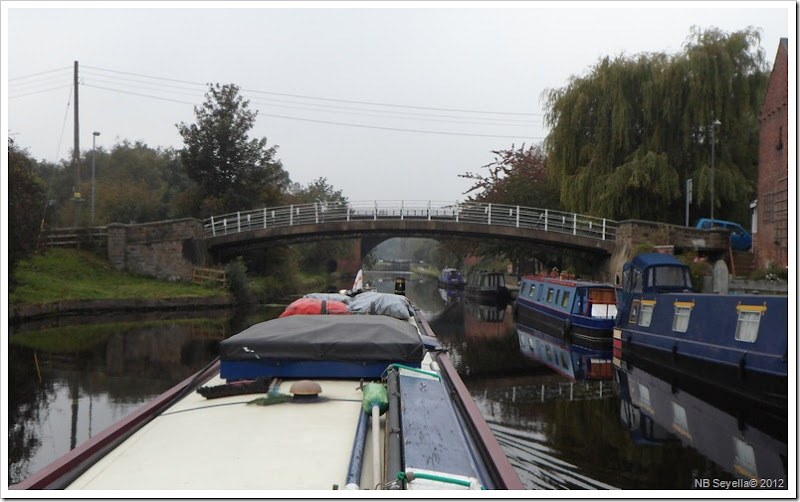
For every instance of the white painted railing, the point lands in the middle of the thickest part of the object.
(459, 212)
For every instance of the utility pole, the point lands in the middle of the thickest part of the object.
(76, 152)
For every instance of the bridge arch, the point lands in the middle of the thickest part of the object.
(241, 231)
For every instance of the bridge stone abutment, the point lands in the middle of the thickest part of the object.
(165, 249)
(633, 233)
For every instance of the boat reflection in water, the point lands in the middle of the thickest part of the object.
(494, 311)
(657, 407)
(451, 295)
(568, 359)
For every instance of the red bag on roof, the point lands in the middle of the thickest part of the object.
(315, 306)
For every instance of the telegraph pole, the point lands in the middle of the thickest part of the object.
(76, 153)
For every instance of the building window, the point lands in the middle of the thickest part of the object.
(683, 312)
(749, 321)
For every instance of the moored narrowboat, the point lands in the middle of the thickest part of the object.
(451, 278)
(577, 313)
(487, 288)
(737, 343)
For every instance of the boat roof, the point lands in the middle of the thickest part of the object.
(645, 260)
(568, 282)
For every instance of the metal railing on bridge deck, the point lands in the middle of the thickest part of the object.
(464, 212)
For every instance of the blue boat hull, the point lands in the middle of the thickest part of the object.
(706, 347)
(593, 334)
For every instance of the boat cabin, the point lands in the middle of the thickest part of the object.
(581, 298)
(656, 273)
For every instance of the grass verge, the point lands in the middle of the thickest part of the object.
(68, 274)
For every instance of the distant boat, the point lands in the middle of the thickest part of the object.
(451, 278)
(567, 325)
(737, 343)
(487, 288)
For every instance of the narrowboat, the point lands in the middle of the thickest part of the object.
(658, 406)
(575, 313)
(487, 288)
(736, 343)
(320, 399)
(451, 278)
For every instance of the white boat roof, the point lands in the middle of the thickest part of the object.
(226, 444)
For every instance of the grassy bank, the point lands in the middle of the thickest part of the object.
(68, 274)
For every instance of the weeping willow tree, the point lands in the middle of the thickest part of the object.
(626, 136)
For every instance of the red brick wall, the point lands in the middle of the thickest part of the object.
(771, 238)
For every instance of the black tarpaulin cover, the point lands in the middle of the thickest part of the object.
(326, 338)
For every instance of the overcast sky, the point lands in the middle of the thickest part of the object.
(387, 101)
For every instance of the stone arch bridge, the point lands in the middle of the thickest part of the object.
(171, 249)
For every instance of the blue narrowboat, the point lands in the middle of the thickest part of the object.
(737, 343)
(451, 278)
(578, 313)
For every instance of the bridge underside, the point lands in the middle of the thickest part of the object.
(231, 244)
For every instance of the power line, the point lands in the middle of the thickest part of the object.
(40, 73)
(324, 108)
(449, 133)
(301, 96)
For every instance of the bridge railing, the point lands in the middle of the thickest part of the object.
(466, 212)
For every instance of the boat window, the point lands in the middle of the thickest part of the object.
(644, 398)
(669, 277)
(646, 314)
(637, 281)
(744, 459)
(564, 363)
(565, 299)
(549, 295)
(680, 423)
(533, 289)
(748, 323)
(634, 312)
(680, 321)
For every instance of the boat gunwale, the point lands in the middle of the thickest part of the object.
(68, 467)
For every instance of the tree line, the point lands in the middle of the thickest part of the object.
(624, 138)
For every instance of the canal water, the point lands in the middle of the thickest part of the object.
(69, 379)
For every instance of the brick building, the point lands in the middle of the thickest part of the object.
(771, 232)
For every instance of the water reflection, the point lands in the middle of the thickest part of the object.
(657, 411)
(68, 382)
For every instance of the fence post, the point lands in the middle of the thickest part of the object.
(375, 212)
(489, 219)
(291, 215)
(456, 212)
(604, 229)
(316, 213)
(574, 224)
(401, 209)
(545, 220)
(265, 217)
(213, 230)
(517, 216)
